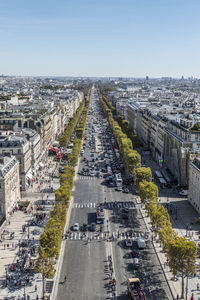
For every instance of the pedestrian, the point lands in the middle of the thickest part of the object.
(37, 297)
(197, 286)
(36, 288)
(4, 246)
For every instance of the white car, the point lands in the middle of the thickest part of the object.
(183, 193)
(128, 243)
(92, 174)
(82, 151)
(76, 227)
(141, 243)
(136, 262)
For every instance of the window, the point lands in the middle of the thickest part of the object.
(19, 151)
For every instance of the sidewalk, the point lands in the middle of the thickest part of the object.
(182, 216)
(20, 282)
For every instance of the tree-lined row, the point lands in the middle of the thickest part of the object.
(64, 140)
(50, 239)
(181, 253)
(126, 128)
(131, 157)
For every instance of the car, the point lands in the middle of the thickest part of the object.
(76, 227)
(82, 151)
(84, 227)
(92, 174)
(141, 244)
(128, 243)
(125, 210)
(183, 193)
(135, 253)
(124, 216)
(93, 226)
(136, 263)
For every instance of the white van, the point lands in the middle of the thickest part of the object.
(141, 243)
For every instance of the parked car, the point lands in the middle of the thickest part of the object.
(183, 193)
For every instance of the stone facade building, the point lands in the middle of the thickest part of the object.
(18, 146)
(9, 184)
(194, 183)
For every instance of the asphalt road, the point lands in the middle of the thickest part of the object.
(85, 263)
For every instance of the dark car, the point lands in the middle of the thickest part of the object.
(84, 227)
(135, 253)
(93, 226)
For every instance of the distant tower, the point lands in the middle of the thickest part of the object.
(147, 78)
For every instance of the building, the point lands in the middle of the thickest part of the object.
(194, 183)
(9, 185)
(18, 146)
(34, 139)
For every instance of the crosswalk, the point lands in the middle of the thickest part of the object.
(114, 236)
(86, 177)
(108, 205)
(84, 205)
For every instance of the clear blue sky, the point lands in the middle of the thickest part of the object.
(129, 38)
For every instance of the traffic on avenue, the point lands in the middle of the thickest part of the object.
(108, 249)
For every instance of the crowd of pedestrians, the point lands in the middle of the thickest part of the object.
(19, 276)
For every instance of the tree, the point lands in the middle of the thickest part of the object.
(143, 174)
(148, 191)
(182, 258)
(50, 240)
(133, 160)
(159, 216)
(43, 265)
(166, 234)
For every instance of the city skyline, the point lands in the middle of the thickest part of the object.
(115, 39)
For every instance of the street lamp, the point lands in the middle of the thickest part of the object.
(6, 269)
(24, 291)
(43, 281)
(176, 215)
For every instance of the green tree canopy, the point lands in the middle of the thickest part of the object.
(143, 173)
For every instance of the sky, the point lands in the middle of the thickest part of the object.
(112, 38)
